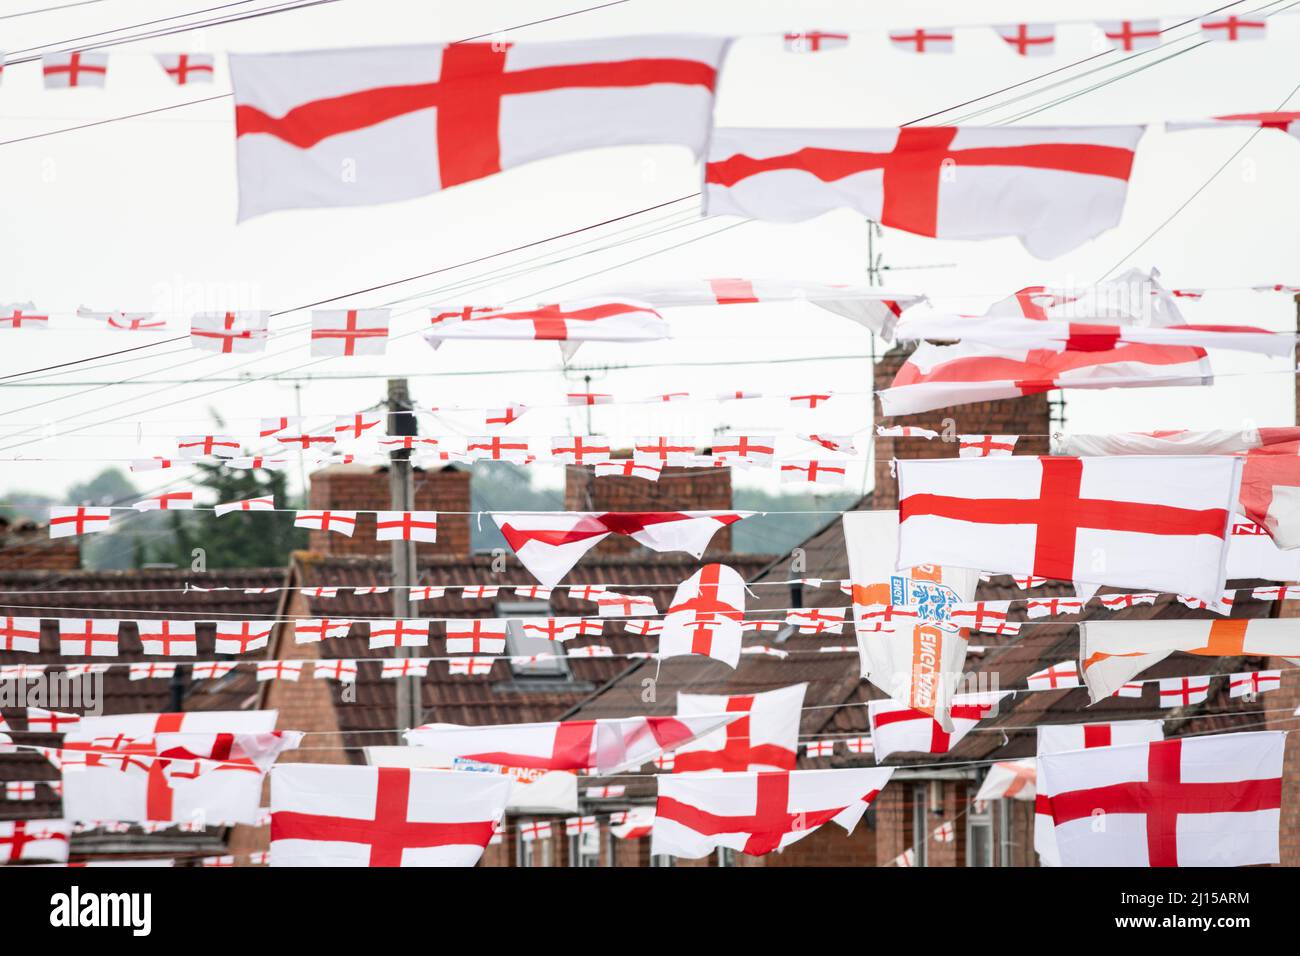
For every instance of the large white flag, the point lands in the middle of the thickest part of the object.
(376, 124)
(915, 655)
(765, 737)
(706, 616)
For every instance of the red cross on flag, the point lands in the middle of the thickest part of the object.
(1130, 35)
(814, 471)
(751, 449)
(1287, 121)
(920, 659)
(404, 667)
(29, 840)
(603, 746)
(82, 637)
(22, 315)
(343, 670)
(167, 501)
(1184, 691)
(151, 670)
(477, 636)
(349, 332)
(764, 737)
(340, 522)
(1067, 185)
(985, 446)
(1055, 677)
(1197, 801)
(187, 68)
(817, 620)
(1114, 652)
(382, 816)
(628, 468)
(399, 633)
(40, 720)
(1133, 297)
(124, 321)
(580, 449)
(1052, 607)
(406, 526)
(612, 604)
(706, 616)
(407, 121)
(1029, 39)
(989, 617)
(240, 637)
(20, 790)
(1010, 780)
(756, 813)
(230, 332)
(70, 69)
(279, 670)
(936, 376)
(814, 41)
(212, 670)
(1232, 28)
(427, 593)
(66, 522)
(167, 638)
(1253, 683)
(944, 833)
(661, 450)
(358, 424)
(496, 448)
(559, 628)
(895, 727)
(567, 323)
(266, 503)
(922, 40)
(1160, 523)
(470, 666)
(20, 634)
(549, 544)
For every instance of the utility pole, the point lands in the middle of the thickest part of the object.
(401, 497)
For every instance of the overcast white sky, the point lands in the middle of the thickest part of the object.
(140, 215)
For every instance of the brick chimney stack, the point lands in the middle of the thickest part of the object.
(1028, 416)
(365, 488)
(678, 489)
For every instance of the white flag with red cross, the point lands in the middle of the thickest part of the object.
(187, 68)
(1055, 677)
(124, 778)
(1129, 35)
(476, 636)
(757, 813)
(923, 40)
(1009, 780)
(121, 321)
(40, 720)
(635, 824)
(21, 315)
(604, 746)
(549, 544)
(919, 660)
(764, 737)
(1057, 738)
(382, 816)
(986, 446)
(814, 41)
(74, 69)
(20, 634)
(1133, 297)
(567, 323)
(936, 376)
(88, 637)
(29, 840)
(1114, 652)
(1253, 683)
(1141, 522)
(240, 637)
(1029, 39)
(1067, 185)
(349, 332)
(1233, 28)
(406, 526)
(402, 632)
(340, 522)
(1184, 691)
(378, 124)
(580, 449)
(706, 616)
(1286, 121)
(65, 522)
(870, 307)
(897, 728)
(230, 332)
(167, 638)
(1195, 801)
(814, 471)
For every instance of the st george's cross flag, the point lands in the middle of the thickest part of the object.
(549, 544)
(1028, 39)
(706, 616)
(1286, 121)
(379, 124)
(124, 776)
(567, 323)
(230, 332)
(74, 68)
(1064, 737)
(604, 746)
(1195, 801)
(1009, 780)
(406, 526)
(186, 68)
(897, 728)
(1139, 522)
(1052, 335)
(23, 841)
(936, 376)
(1053, 188)
(1114, 652)
(382, 816)
(1133, 297)
(765, 737)
(919, 659)
(757, 813)
(870, 307)
(349, 332)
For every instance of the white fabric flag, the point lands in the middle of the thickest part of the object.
(896, 727)
(706, 616)
(766, 737)
(1009, 780)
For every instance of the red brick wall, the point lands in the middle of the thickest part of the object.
(365, 488)
(1022, 416)
(31, 549)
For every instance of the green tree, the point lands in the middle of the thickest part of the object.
(256, 539)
